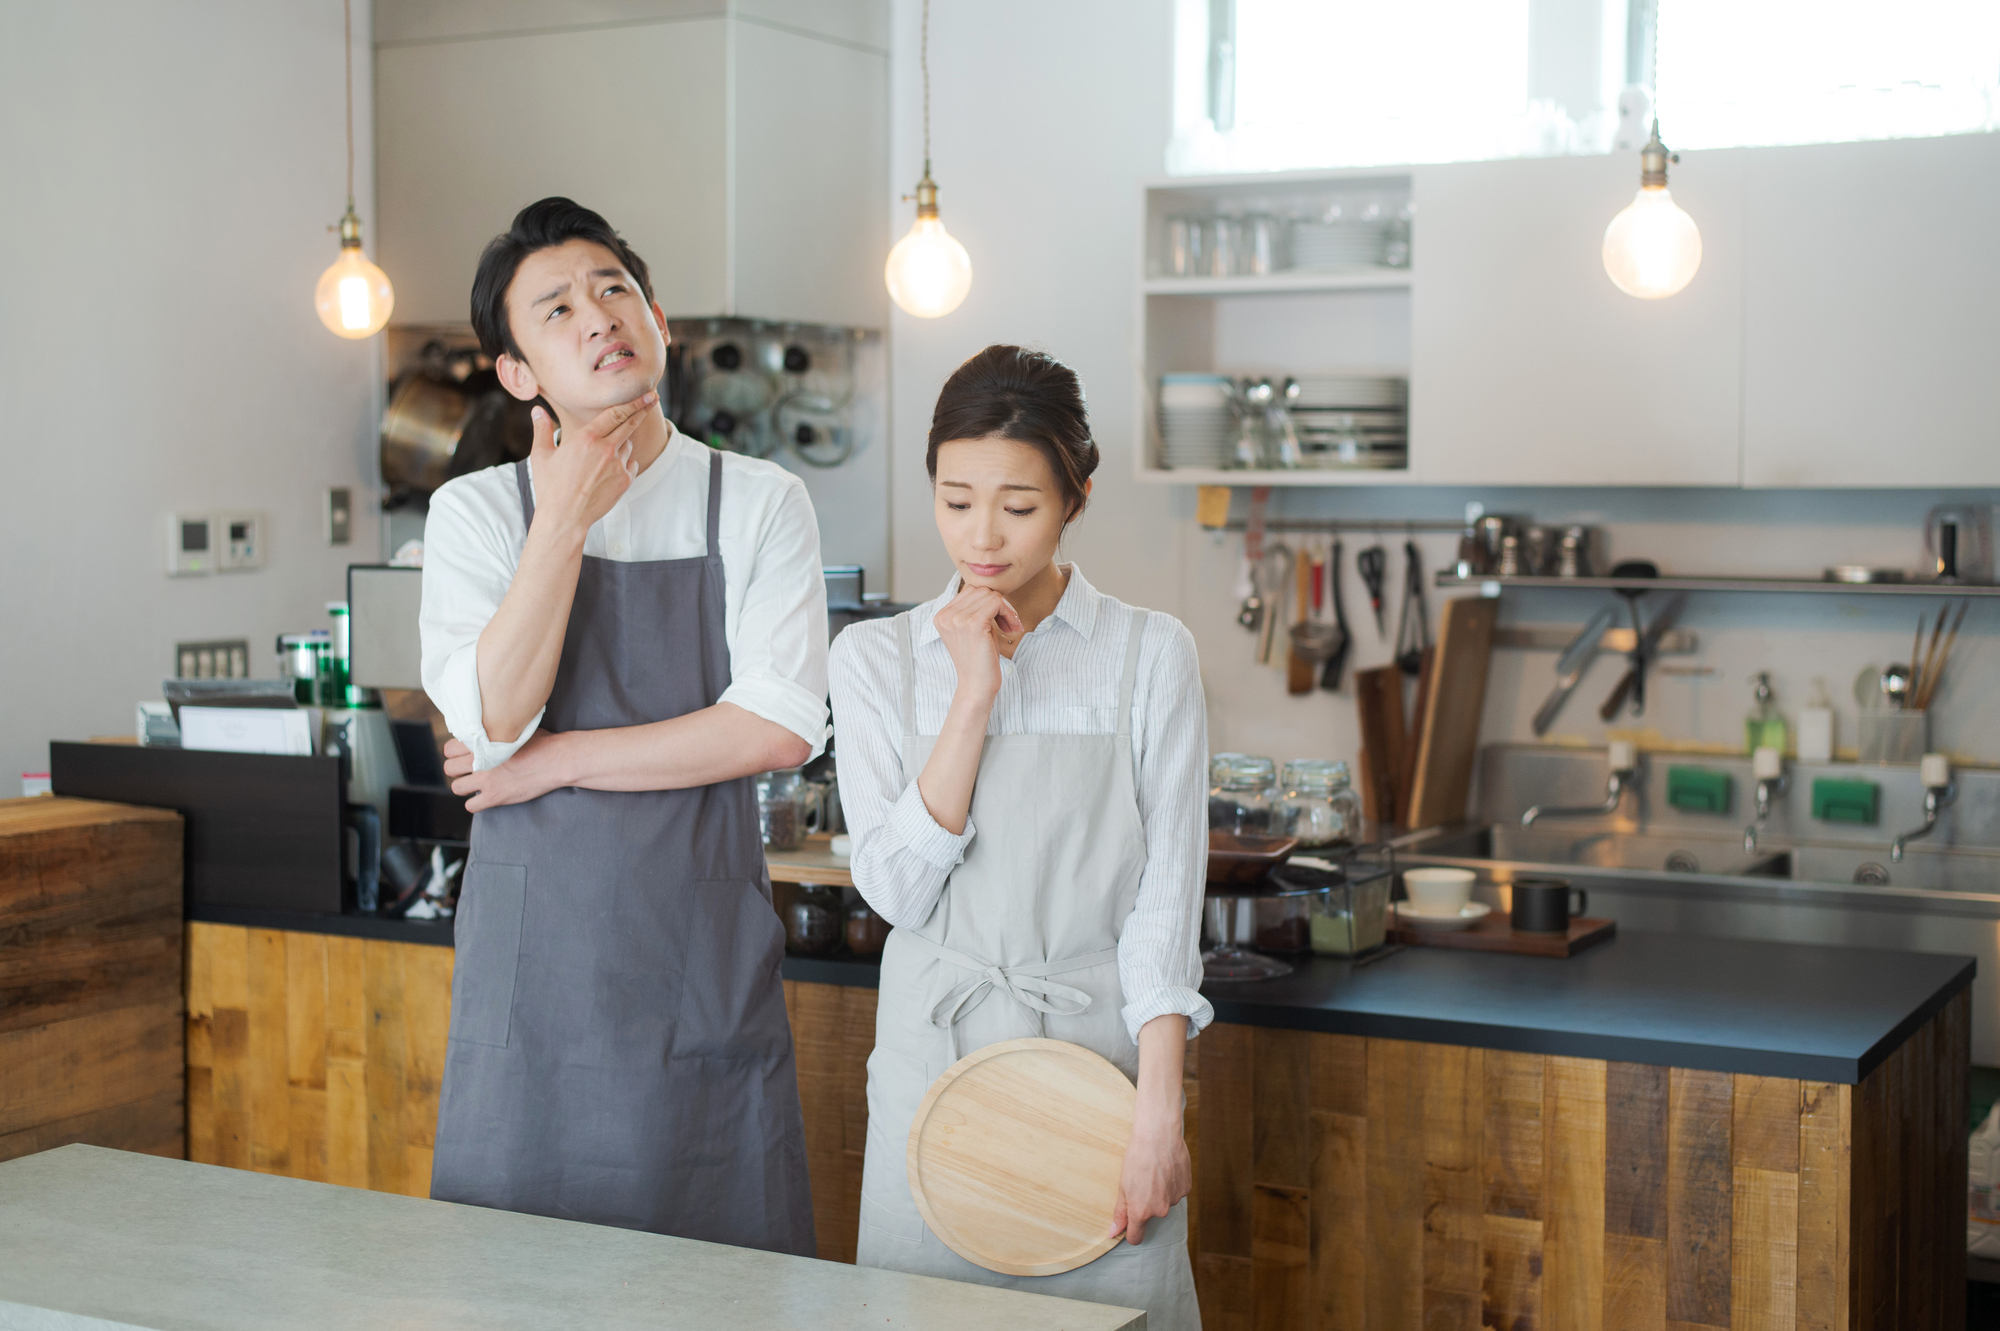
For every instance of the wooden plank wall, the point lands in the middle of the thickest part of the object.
(1375, 1185)
(90, 977)
(315, 1056)
(833, 1030)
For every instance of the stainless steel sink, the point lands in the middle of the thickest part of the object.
(1932, 868)
(1938, 899)
(1605, 849)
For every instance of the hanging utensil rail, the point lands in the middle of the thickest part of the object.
(1383, 526)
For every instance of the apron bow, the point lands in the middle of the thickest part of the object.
(1029, 985)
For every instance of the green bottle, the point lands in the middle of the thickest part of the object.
(1763, 728)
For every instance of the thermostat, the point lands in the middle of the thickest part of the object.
(190, 544)
(239, 540)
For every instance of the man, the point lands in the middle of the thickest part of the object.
(619, 632)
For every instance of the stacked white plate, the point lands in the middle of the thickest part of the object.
(1352, 392)
(1197, 426)
(1338, 244)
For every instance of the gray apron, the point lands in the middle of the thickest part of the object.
(1023, 941)
(619, 1052)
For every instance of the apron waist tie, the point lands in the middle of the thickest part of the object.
(1028, 985)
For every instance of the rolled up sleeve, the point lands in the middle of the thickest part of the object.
(777, 646)
(902, 856)
(468, 565)
(1159, 953)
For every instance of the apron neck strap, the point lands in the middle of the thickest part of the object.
(714, 503)
(1131, 675)
(907, 658)
(714, 500)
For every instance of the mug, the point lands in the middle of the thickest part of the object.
(1542, 905)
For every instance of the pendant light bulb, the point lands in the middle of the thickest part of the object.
(353, 297)
(928, 272)
(1653, 248)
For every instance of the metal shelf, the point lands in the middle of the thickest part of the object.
(1493, 586)
(1326, 476)
(1284, 280)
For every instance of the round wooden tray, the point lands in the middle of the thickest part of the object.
(1016, 1152)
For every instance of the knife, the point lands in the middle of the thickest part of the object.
(1570, 665)
(1643, 650)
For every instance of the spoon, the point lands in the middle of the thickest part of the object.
(1896, 685)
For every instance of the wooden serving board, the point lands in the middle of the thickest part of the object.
(1496, 933)
(1015, 1156)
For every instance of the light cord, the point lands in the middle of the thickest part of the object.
(924, 59)
(1654, 52)
(347, 51)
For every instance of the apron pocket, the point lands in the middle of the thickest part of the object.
(487, 943)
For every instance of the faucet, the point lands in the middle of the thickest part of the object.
(1767, 766)
(1623, 759)
(1935, 771)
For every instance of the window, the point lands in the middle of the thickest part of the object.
(1264, 85)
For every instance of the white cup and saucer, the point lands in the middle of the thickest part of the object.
(1440, 900)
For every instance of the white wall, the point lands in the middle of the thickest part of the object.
(171, 172)
(1046, 119)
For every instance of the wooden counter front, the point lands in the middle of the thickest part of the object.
(90, 976)
(1354, 1183)
(320, 1057)
(1341, 1182)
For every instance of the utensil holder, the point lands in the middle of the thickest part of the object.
(1901, 735)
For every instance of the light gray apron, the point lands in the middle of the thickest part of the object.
(1023, 942)
(619, 1052)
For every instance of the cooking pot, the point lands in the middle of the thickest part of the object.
(420, 433)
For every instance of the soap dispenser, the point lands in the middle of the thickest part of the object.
(1816, 726)
(1763, 728)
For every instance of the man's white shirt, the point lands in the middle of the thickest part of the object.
(774, 599)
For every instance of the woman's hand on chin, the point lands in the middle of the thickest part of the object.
(1157, 1174)
(971, 627)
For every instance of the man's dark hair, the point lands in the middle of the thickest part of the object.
(539, 226)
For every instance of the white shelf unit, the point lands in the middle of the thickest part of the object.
(1291, 322)
(1346, 279)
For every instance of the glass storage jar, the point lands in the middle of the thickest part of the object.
(813, 923)
(1354, 917)
(1244, 794)
(1319, 807)
(782, 798)
(866, 931)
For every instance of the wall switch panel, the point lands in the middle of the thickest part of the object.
(190, 545)
(239, 537)
(339, 515)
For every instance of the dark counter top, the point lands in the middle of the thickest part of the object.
(841, 969)
(1717, 1004)
(1721, 1005)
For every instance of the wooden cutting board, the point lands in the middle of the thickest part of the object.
(1016, 1152)
(1496, 933)
(1378, 700)
(1447, 728)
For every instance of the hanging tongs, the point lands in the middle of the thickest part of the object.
(1413, 630)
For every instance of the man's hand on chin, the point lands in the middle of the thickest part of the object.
(530, 774)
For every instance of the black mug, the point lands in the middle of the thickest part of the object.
(1542, 905)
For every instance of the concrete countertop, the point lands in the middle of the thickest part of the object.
(105, 1239)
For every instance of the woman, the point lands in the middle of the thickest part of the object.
(1022, 765)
